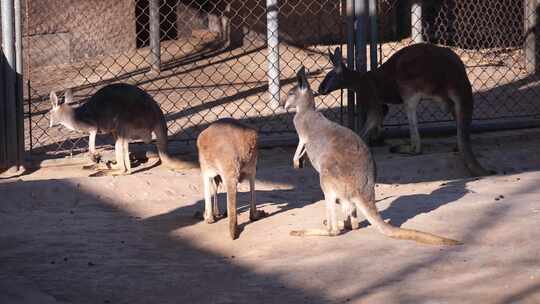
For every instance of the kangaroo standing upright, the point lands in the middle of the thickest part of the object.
(346, 169)
(228, 154)
(124, 110)
(417, 72)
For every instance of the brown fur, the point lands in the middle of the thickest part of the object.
(414, 73)
(228, 154)
(124, 110)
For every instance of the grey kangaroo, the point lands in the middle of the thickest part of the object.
(228, 154)
(346, 169)
(417, 72)
(124, 110)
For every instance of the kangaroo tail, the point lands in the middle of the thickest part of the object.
(463, 111)
(163, 150)
(373, 216)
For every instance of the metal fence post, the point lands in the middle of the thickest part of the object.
(155, 47)
(360, 10)
(19, 82)
(350, 61)
(416, 21)
(10, 126)
(374, 35)
(530, 19)
(272, 11)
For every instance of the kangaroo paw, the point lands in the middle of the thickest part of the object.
(341, 224)
(297, 233)
(210, 220)
(315, 232)
(405, 149)
(115, 172)
(258, 215)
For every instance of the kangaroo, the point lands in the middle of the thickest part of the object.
(228, 154)
(416, 72)
(346, 169)
(124, 110)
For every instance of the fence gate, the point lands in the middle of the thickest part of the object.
(208, 60)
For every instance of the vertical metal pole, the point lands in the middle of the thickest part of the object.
(30, 141)
(374, 35)
(272, 26)
(9, 97)
(360, 10)
(416, 21)
(3, 125)
(530, 7)
(18, 37)
(350, 62)
(155, 47)
(19, 83)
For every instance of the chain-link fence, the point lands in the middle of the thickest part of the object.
(213, 60)
(213, 57)
(491, 37)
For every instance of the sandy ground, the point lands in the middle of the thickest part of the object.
(69, 238)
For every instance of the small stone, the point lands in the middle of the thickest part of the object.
(53, 262)
(91, 264)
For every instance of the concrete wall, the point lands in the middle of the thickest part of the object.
(62, 31)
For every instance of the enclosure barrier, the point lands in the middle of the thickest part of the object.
(202, 60)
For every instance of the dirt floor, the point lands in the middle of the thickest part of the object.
(69, 238)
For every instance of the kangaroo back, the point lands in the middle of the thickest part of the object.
(228, 153)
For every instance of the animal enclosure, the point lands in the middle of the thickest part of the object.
(213, 58)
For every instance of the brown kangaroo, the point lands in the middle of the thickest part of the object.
(124, 110)
(228, 154)
(346, 169)
(414, 73)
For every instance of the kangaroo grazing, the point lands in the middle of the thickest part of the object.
(228, 154)
(346, 169)
(124, 110)
(414, 73)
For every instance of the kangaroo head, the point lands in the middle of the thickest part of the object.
(335, 78)
(300, 96)
(60, 112)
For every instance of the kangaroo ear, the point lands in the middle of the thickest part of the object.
(337, 56)
(54, 99)
(68, 96)
(302, 79)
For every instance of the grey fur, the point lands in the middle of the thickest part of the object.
(346, 169)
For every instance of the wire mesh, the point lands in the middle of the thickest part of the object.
(213, 60)
(490, 38)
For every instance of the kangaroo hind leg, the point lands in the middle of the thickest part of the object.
(332, 224)
(415, 147)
